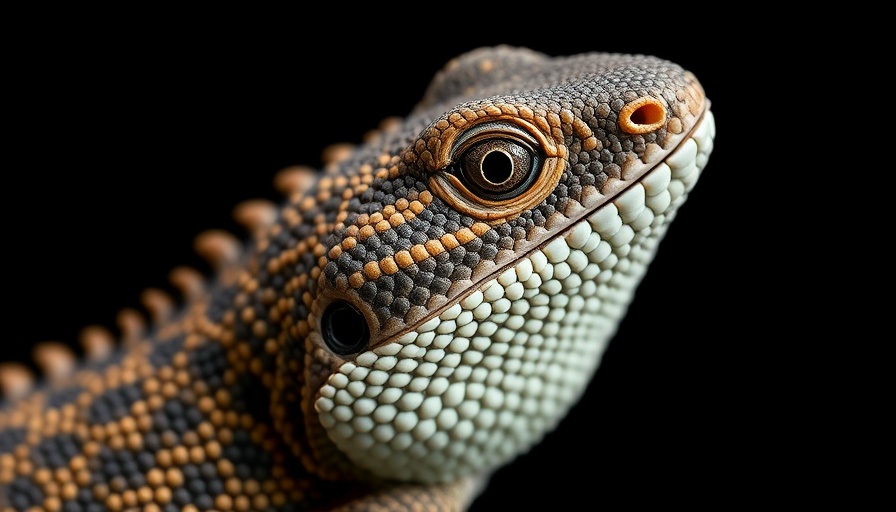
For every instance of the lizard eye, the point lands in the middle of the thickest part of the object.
(497, 168)
(344, 328)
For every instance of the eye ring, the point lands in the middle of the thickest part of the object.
(497, 168)
(487, 201)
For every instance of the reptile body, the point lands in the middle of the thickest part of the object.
(417, 314)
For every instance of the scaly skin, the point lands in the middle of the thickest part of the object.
(424, 310)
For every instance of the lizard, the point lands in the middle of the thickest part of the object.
(415, 315)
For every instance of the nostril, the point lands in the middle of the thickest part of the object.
(344, 328)
(643, 115)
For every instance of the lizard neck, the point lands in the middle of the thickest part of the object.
(243, 347)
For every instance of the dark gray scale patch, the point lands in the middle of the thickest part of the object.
(152, 443)
(473, 245)
(404, 230)
(427, 265)
(400, 306)
(528, 223)
(435, 232)
(401, 191)
(382, 299)
(426, 215)
(389, 237)
(383, 313)
(461, 272)
(440, 285)
(528, 220)
(366, 204)
(332, 204)
(563, 204)
(402, 244)
(561, 191)
(386, 283)
(423, 279)
(10, 438)
(331, 270)
(23, 494)
(346, 264)
(419, 296)
(208, 363)
(403, 282)
(177, 416)
(56, 451)
(202, 484)
(83, 502)
(445, 266)
(359, 252)
(56, 398)
(452, 226)
(444, 269)
(354, 206)
(373, 243)
(249, 459)
(120, 470)
(488, 252)
(164, 351)
(221, 303)
(456, 255)
(301, 311)
(411, 272)
(248, 332)
(278, 281)
(307, 260)
(115, 403)
(247, 395)
(439, 219)
(367, 291)
(613, 170)
(506, 242)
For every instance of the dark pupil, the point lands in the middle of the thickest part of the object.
(344, 328)
(497, 167)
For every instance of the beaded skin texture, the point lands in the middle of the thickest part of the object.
(418, 313)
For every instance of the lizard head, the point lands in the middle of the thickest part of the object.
(460, 274)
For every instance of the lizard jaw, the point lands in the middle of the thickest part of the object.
(469, 389)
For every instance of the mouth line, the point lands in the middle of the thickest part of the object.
(528, 247)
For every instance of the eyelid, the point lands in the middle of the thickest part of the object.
(490, 130)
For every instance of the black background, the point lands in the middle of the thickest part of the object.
(123, 143)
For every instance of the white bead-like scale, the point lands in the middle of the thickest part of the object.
(496, 371)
